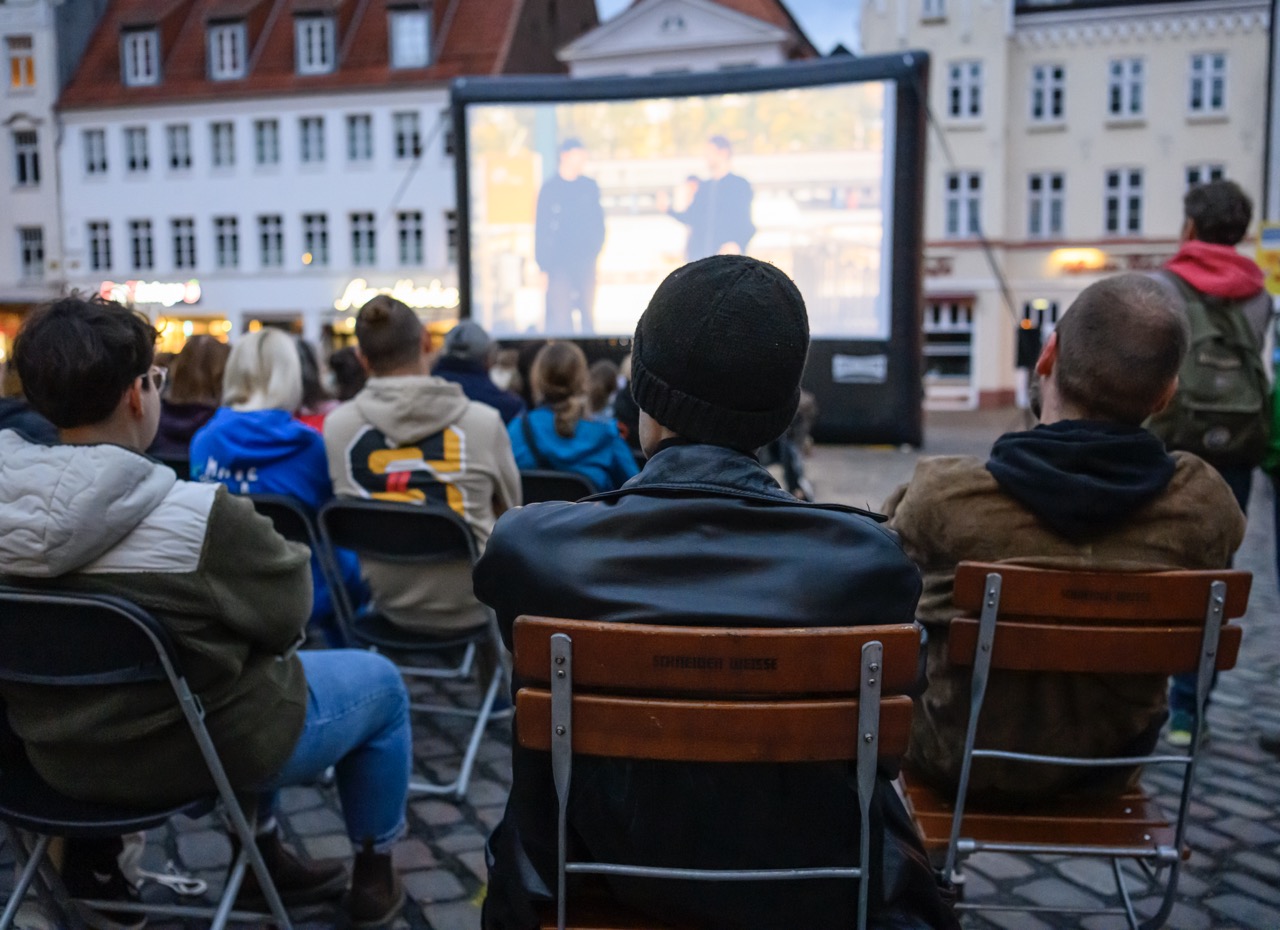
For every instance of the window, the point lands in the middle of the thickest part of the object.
(410, 38)
(1204, 173)
(1209, 83)
(315, 239)
(26, 158)
(226, 51)
(409, 234)
(31, 252)
(311, 132)
(313, 44)
(364, 243)
(451, 236)
(22, 62)
(140, 57)
(226, 241)
(964, 89)
(963, 203)
(1045, 204)
(266, 141)
(223, 137)
(179, 136)
(408, 135)
(95, 151)
(135, 149)
(100, 246)
(1048, 90)
(144, 257)
(184, 243)
(933, 9)
(1125, 87)
(446, 118)
(1124, 201)
(271, 240)
(359, 137)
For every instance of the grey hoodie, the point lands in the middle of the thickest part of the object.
(419, 439)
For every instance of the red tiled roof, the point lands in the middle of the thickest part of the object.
(470, 37)
(773, 12)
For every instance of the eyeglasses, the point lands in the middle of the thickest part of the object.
(157, 377)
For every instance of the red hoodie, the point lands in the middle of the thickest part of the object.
(1218, 270)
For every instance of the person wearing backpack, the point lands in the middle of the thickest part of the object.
(1222, 409)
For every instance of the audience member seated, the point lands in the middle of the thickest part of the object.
(16, 413)
(348, 373)
(465, 361)
(556, 435)
(409, 436)
(704, 536)
(316, 402)
(255, 446)
(602, 388)
(195, 391)
(232, 593)
(1087, 488)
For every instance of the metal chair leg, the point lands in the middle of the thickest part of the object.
(27, 875)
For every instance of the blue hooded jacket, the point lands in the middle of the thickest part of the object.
(595, 450)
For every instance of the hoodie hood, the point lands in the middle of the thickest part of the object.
(408, 408)
(255, 438)
(1081, 477)
(61, 507)
(1218, 270)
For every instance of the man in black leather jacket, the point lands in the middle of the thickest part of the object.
(704, 535)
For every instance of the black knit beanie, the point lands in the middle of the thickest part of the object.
(720, 350)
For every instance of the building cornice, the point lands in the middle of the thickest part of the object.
(1106, 25)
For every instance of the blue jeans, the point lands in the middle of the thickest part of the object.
(358, 722)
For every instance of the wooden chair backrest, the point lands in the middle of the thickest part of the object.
(1100, 622)
(715, 694)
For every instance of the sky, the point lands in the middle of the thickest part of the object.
(825, 22)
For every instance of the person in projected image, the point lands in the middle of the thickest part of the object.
(717, 209)
(568, 237)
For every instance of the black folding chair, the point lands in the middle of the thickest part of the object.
(62, 640)
(424, 535)
(537, 485)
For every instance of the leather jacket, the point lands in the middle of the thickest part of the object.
(704, 535)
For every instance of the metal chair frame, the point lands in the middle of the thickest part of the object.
(136, 624)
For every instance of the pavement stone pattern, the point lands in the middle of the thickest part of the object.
(1232, 880)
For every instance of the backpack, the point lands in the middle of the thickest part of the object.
(1222, 409)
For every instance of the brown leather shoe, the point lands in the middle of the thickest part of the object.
(377, 894)
(298, 881)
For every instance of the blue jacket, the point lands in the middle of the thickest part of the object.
(478, 386)
(595, 451)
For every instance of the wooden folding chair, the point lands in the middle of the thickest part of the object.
(712, 694)
(1076, 622)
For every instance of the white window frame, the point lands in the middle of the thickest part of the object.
(183, 230)
(20, 54)
(137, 157)
(1124, 201)
(226, 241)
(1204, 172)
(271, 240)
(962, 204)
(964, 89)
(1126, 88)
(315, 238)
(314, 45)
(26, 158)
(95, 150)
(1048, 93)
(364, 239)
(409, 38)
(99, 238)
(408, 135)
(228, 43)
(142, 245)
(31, 253)
(140, 57)
(359, 137)
(1207, 84)
(311, 140)
(266, 142)
(222, 143)
(410, 238)
(1046, 204)
(178, 139)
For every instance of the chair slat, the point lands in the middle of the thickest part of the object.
(1151, 597)
(713, 731)
(717, 660)
(1099, 649)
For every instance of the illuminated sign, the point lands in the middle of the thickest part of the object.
(164, 293)
(434, 296)
(1080, 261)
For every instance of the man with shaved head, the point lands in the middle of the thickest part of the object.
(1087, 488)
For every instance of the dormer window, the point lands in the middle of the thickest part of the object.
(140, 57)
(314, 47)
(410, 38)
(226, 51)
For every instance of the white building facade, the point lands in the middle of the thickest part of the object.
(1068, 132)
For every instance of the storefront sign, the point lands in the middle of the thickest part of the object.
(1269, 256)
(433, 296)
(164, 293)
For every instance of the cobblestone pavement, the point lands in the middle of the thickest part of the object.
(1231, 881)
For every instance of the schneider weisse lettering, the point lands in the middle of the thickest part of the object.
(716, 663)
(413, 474)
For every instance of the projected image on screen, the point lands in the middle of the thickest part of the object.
(578, 210)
